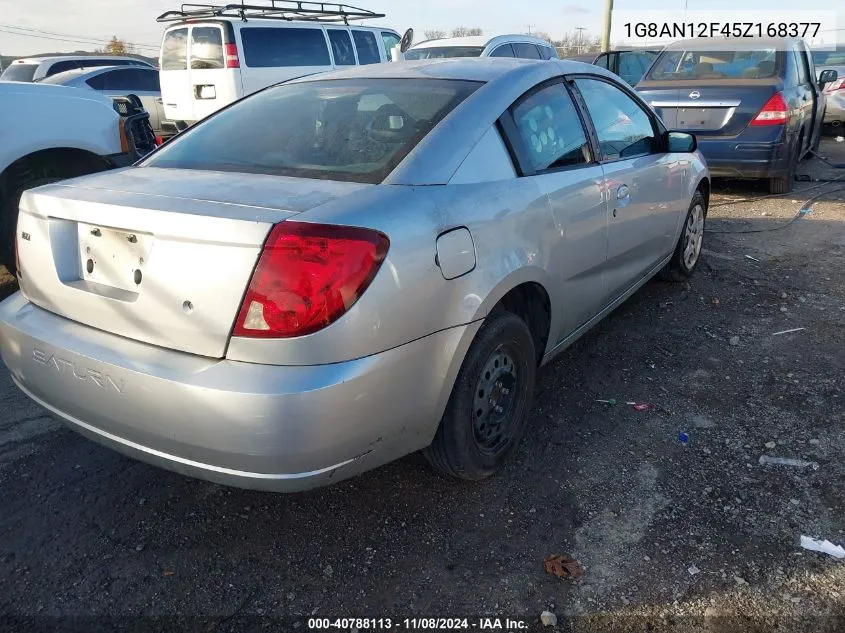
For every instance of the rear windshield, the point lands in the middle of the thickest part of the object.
(19, 72)
(745, 64)
(829, 58)
(266, 47)
(355, 130)
(440, 52)
(174, 50)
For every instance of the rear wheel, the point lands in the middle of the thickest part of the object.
(487, 410)
(783, 184)
(688, 248)
(9, 222)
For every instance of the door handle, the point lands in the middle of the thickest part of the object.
(159, 100)
(623, 193)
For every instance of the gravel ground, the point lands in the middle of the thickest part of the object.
(671, 535)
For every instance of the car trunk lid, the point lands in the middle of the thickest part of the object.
(168, 268)
(708, 108)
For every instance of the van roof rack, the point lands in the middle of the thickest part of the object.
(287, 10)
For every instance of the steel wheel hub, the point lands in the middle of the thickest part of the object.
(494, 399)
(693, 236)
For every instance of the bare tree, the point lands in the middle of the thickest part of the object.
(435, 34)
(463, 31)
(575, 43)
(542, 35)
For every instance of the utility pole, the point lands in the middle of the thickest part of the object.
(608, 13)
(580, 30)
(530, 26)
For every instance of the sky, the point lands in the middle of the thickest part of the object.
(134, 20)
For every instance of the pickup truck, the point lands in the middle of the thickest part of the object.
(49, 133)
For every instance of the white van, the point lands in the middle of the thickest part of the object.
(214, 55)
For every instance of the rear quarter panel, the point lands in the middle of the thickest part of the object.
(512, 230)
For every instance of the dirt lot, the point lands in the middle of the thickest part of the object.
(671, 535)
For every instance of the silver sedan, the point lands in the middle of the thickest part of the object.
(344, 269)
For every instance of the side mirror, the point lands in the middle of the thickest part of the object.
(827, 77)
(681, 142)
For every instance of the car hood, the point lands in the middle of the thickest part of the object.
(10, 88)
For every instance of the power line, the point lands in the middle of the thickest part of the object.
(62, 37)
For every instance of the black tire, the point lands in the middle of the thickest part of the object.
(465, 446)
(679, 267)
(9, 222)
(784, 184)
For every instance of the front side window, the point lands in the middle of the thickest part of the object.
(623, 128)
(546, 52)
(391, 41)
(344, 55)
(525, 51)
(365, 43)
(355, 129)
(268, 47)
(550, 129)
(174, 50)
(207, 48)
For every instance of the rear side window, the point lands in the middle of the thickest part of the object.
(525, 50)
(391, 40)
(803, 67)
(354, 129)
(207, 48)
(632, 66)
(150, 81)
(603, 61)
(367, 47)
(266, 47)
(505, 50)
(623, 128)
(551, 130)
(60, 67)
(174, 50)
(546, 52)
(123, 80)
(344, 54)
(19, 72)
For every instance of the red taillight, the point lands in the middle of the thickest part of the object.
(775, 112)
(833, 86)
(232, 60)
(307, 277)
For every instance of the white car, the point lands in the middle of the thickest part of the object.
(520, 46)
(213, 56)
(35, 68)
(48, 148)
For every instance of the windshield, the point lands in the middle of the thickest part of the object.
(744, 64)
(19, 72)
(355, 129)
(441, 52)
(829, 58)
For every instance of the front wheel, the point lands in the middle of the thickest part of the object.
(689, 246)
(487, 410)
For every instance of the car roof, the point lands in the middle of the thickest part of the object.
(87, 73)
(58, 58)
(479, 40)
(485, 69)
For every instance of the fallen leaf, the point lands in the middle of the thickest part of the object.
(169, 572)
(563, 567)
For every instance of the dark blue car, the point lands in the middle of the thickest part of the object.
(755, 106)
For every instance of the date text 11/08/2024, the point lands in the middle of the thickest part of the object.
(418, 624)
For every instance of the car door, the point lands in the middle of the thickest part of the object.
(816, 94)
(643, 184)
(806, 98)
(551, 145)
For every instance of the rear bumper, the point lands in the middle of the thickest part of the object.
(733, 158)
(835, 109)
(247, 425)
